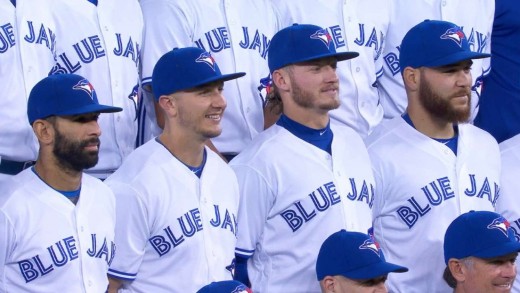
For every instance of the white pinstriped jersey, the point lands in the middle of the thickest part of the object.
(421, 187)
(17, 143)
(48, 244)
(175, 232)
(508, 204)
(354, 25)
(293, 196)
(476, 20)
(101, 43)
(237, 33)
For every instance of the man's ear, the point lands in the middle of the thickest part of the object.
(167, 105)
(411, 78)
(457, 269)
(328, 284)
(44, 131)
(281, 79)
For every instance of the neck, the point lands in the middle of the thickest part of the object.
(428, 125)
(310, 118)
(189, 151)
(57, 176)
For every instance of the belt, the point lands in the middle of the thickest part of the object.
(13, 167)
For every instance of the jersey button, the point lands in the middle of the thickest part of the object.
(358, 69)
(81, 229)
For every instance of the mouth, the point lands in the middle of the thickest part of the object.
(504, 287)
(214, 117)
(92, 145)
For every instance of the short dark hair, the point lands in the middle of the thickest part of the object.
(448, 277)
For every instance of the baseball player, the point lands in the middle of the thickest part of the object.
(237, 34)
(177, 201)
(480, 250)
(353, 262)
(426, 166)
(499, 104)
(354, 26)
(476, 20)
(17, 146)
(302, 179)
(57, 224)
(100, 40)
(508, 204)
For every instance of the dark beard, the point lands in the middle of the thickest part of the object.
(304, 99)
(72, 155)
(440, 107)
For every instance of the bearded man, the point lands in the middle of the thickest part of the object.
(429, 165)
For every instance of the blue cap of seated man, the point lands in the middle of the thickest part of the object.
(353, 255)
(64, 95)
(230, 286)
(186, 68)
(481, 234)
(434, 43)
(300, 43)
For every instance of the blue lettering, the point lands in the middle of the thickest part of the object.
(70, 68)
(445, 185)
(118, 51)
(256, 44)
(43, 270)
(31, 37)
(434, 201)
(497, 194)
(335, 32)
(353, 195)
(265, 46)
(130, 49)
(27, 270)
(293, 220)
(6, 41)
(333, 194)
(195, 215)
(227, 222)
(485, 190)
(372, 40)
(363, 195)
(89, 57)
(175, 241)
(112, 252)
(361, 39)
(216, 222)
(70, 245)
(244, 43)
(160, 245)
(92, 251)
(408, 216)
(187, 232)
(473, 190)
(103, 251)
(326, 202)
(392, 61)
(306, 216)
(418, 208)
(61, 261)
(95, 42)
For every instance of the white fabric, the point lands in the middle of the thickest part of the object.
(36, 221)
(281, 175)
(409, 168)
(155, 195)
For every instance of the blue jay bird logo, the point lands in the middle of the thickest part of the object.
(86, 86)
(208, 59)
(371, 245)
(241, 289)
(455, 34)
(501, 224)
(265, 88)
(322, 35)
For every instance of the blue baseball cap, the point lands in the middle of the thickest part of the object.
(300, 43)
(230, 286)
(480, 234)
(64, 94)
(186, 68)
(353, 255)
(434, 43)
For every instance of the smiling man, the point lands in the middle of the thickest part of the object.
(177, 201)
(480, 250)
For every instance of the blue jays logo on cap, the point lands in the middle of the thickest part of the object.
(241, 289)
(455, 34)
(322, 35)
(265, 88)
(85, 86)
(371, 245)
(501, 224)
(208, 59)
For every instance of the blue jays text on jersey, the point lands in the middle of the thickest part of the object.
(217, 40)
(321, 199)
(477, 42)
(189, 224)
(60, 253)
(87, 50)
(6, 37)
(440, 190)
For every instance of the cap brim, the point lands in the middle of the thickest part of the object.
(497, 251)
(374, 271)
(456, 58)
(223, 77)
(340, 56)
(93, 108)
